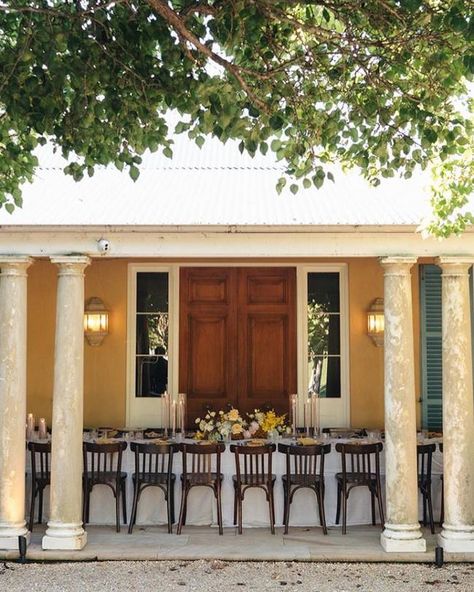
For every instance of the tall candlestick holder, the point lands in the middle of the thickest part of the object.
(307, 416)
(173, 418)
(30, 426)
(315, 414)
(42, 429)
(165, 412)
(182, 408)
(294, 414)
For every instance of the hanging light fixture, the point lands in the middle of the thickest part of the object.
(96, 321)
(376, 322)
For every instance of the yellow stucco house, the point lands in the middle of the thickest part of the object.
(217, 287)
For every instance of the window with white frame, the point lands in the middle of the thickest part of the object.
(324, 334)
(152, 334)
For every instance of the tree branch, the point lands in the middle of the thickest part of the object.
(162, 8)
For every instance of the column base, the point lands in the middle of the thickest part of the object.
(402, 538)
(10, 540)
(457, 539)
(65, 537)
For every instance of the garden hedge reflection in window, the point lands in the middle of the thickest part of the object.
(324, 334)
(152, 320)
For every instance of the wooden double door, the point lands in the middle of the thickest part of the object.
(237, 337)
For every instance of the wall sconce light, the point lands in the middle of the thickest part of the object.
(96, 321)
(376, 322)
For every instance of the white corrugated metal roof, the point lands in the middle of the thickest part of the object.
(213, 186)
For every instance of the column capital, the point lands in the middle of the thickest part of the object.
(15, 265)
(397, 265)
(454, 266)
(71, 264)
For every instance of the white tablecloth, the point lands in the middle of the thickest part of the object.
(202, 505)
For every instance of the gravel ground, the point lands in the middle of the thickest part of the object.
(215, 576)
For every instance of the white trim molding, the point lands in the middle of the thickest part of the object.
(146, 411)
(334, 412)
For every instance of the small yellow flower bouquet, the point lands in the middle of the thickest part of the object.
(261, 424)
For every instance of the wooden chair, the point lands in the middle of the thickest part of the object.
(304, 469)
(153, 468)
(103, 466)
(253, 465)
(40, 477)
(201, 468)
(359, 470)
(425, 461)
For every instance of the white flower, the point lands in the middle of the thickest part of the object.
(213, 413)
(198, 420)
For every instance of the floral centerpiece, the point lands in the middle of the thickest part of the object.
(261, 424)
(220, 425)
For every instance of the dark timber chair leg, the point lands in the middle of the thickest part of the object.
(32, 508)
(338, 508)
(133, 516)
(124, 502)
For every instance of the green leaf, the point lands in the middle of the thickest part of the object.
(134, 172)
(294, 188)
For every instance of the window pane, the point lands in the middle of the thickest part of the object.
(151, 376)
(152, 334)
(152, 292)
(323, 333)
(325, 376)
(323, 290)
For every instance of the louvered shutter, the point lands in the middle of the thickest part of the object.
(431, 357)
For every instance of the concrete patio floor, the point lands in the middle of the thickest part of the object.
(256, 544)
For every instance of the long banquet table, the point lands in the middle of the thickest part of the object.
(202, 507)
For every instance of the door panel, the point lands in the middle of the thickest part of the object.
(267, 337)
(207, 338)
(237, 337)
(208, 359)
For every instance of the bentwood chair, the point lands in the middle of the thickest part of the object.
(425, 461)
(40, 476)
(253, 465)
(360, 468)
(153, 468)
(304, 469)
(103, 466)
(201, 468)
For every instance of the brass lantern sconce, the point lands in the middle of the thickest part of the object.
(96, 321)
(376, 322)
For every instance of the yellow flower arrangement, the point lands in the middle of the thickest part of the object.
(272, 421)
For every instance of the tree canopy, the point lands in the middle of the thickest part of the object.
(380, 85)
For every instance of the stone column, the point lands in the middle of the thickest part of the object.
(65, 529)
(402, 530)
(457, 534)
(13, 312)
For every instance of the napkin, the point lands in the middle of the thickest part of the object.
(153, 435)
(307, 441)
(256, 442)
